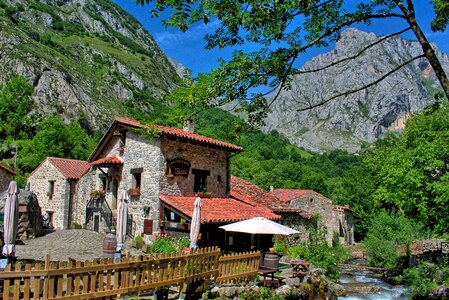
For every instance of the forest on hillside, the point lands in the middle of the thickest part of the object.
(405, 173)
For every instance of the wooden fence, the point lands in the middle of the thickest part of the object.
(238, 267)
(132, 275)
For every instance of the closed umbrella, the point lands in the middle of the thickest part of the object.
(196, 221)
(122, 219)
(11, 218)
(259, 225)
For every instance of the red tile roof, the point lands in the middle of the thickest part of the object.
(219, 210)
(7, 169)
(70, 168)
(250, 193)
(108, 160)
(286, 195)
(179, 133)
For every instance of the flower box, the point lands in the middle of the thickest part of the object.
(134, 192)
(203, 194)
(97, 194)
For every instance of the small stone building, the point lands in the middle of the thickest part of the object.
(55, 184)
(337, 219)
(6, 176)
(163, 170)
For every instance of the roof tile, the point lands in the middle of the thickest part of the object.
(70, 168)
(250, 193)
(179, 133)
(219, 210)
(7, 169)
(108, 160)
(286, 195)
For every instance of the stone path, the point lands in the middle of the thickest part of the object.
(78, 244)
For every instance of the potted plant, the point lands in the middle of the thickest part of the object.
(183, 223)
(138, 242)
(134, 192)
(97, 194)
(203, 194)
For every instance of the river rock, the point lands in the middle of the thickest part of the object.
(441, 293)
(294, 281)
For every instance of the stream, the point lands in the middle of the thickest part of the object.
(369, 285)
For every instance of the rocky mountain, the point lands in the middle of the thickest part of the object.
(349, 122)
(83, 56)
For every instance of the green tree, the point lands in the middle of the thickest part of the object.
(16, 118)
(53, 138)
(387, 234)
(282, 31)
(412, 171)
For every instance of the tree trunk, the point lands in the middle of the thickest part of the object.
(427, 48)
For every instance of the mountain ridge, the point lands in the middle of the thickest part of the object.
(358, 119)
(83, 56)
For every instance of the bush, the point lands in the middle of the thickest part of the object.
(280, 245)
(262, 293)
(388, 233)
(319, 253)
(168, 244)
(425, 278)
(297, 252)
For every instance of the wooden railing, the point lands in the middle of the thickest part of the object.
(132, 275)
(238, 267)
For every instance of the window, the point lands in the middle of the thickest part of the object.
(137, 177)
(51, 188)
(200, 183)
(103, 182)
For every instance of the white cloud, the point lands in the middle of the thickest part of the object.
(170, 38)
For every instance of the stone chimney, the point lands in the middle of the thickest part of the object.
(189, 125)
(271, 188)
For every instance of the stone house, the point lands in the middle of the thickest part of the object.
(6, 176)
(54, 182)
(163, 169)
(336, 219)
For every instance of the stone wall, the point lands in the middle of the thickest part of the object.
(346, 234)
(202, 158)
(56, 204)
(140, 153)
(293, 220)
(5, 179)
(322, 207)
(84, 187)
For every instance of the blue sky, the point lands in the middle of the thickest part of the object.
(188, 47)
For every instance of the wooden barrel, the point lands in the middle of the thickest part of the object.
(271, 260)
(109, 244)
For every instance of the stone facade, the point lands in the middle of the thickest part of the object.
(336, 219)
(53, 200)
(151, 159)
(303, 225)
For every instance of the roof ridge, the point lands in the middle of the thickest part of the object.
(72, 159)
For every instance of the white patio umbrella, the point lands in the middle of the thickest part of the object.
(196, 221)
(122, 219)
(259, 225)
(11, 218)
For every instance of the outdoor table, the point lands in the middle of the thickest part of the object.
(266, 272)
(300, 267)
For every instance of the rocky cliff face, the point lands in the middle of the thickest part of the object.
(82, 56)
(351, 121)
